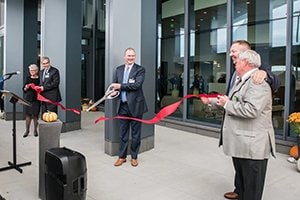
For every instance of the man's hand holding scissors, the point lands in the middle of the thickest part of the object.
(110, 93)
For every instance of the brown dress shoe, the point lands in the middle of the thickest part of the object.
(120, 161)
(231, 195)
(134, 162)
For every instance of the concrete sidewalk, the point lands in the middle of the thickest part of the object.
(182, 166)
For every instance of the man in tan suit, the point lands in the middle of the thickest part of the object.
(248, 134)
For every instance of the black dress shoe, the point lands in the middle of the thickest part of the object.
(36, 134)
(26, 134)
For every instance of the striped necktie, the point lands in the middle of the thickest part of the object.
(44, 74)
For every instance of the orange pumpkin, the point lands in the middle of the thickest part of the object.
(294, 152)
(49, 116)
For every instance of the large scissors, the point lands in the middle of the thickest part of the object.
(110, 93)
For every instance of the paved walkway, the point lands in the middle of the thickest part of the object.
(182, 166)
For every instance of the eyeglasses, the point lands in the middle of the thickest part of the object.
(45, 63)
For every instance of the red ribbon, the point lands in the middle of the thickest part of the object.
(41, 98)
(163, 113)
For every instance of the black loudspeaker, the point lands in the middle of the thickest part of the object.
(65, 175)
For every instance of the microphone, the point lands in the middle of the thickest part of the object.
(12, 73)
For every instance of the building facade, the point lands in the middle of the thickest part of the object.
(184, 45)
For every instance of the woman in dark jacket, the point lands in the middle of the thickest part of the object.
(31, 96)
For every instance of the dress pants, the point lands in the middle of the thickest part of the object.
(1, 102)
(48, 107)
(237, 181)
(250, 177)
(125, 126)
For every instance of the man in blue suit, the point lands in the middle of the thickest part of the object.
(129, 79)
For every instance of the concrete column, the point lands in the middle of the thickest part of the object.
(61, 41)
(30, 34)
(130, 23)
(13, 52)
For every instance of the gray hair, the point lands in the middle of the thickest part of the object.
(33, 67)
(129, 49)
(252, 57)
(45, 58)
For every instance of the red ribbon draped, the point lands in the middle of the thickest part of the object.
(41, 98)
(163, 113)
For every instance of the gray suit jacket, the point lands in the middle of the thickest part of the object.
(134, 91)
(247, 129)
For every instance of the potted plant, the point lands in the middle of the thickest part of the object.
(294, 120)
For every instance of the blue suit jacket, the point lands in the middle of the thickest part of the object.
(134, 91)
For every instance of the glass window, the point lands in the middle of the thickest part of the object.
(295, 59)
(170, 53)
(87, 10)
(101, 15)
(207, 69)
(1, 54)
(263, 24)
(88, 13)
(1, 13)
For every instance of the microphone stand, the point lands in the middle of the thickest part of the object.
(14, 165)
(6, 77)
(14, 99)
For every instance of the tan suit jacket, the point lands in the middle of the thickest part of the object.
(247, 129)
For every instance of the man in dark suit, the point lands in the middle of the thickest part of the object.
(248, 134)
(49, 85)
(129, 79)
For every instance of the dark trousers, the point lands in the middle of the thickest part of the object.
(1, 105)
(125, 126)
(1, 102)
(237, 181)
(48, 107)
(250, 177)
